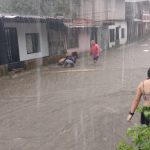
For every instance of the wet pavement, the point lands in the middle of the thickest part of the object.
(81, 108)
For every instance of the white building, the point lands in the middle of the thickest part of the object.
(29, 39)
(108, 14)
(27, 34)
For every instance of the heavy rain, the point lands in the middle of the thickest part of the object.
(69, 73)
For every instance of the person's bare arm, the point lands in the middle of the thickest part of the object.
(135, 103)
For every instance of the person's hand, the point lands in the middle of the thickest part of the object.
(129, 117)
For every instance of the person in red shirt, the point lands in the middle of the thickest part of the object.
(95, 51)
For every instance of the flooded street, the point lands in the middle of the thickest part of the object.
(83, 108)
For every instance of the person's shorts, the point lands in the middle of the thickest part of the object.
(145, 116)
(68, 61)
(95, 57)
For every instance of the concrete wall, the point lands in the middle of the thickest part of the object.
(100, 10)
(84, 41)
(121, 40)
(146, 29)
(116, 9)
(22, 29)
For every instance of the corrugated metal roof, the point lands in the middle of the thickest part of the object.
(28, 19)
(52, 23)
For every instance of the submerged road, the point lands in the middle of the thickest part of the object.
(83, 108)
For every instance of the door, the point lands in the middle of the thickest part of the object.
(93, 34)
(3, 53)
(105, 38)
(12, 45)
(140, 31)
(117, 36)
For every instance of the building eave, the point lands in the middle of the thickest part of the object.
(29, 19)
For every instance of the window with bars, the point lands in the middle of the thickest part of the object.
(32, 43)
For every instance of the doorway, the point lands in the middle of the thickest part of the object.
(12, 45)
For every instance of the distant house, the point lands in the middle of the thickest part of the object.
(26, 39)
(138, 19)
(110, 18)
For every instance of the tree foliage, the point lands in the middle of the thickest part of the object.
(140, 136)
(67, 8)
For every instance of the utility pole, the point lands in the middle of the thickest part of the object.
(94, 31)
(106, 9)
(93, 9)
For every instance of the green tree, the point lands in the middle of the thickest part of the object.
(67, 8)
(140, 136)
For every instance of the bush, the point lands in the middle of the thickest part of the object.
(140, 137)
(124, 146)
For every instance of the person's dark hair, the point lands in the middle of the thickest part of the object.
(148, 73)
(75, 54)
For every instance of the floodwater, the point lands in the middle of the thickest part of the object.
(83, 108)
